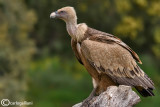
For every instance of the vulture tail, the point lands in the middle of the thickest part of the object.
(145, 92)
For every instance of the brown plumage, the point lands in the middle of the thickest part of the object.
(107, 59)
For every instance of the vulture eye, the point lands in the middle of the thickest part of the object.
(62, 11)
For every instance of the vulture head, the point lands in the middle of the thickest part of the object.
(67, 14)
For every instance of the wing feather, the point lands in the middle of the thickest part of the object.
(74, 48)
(105, 37)
(116, 61)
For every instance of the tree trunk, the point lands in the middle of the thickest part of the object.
(114, 96)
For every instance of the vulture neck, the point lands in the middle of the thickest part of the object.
(76, 31)
(72, 28)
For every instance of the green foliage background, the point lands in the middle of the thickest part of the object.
(36, 60)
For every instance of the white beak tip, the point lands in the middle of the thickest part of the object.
(53, 15)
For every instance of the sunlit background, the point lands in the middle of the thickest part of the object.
(36, 60)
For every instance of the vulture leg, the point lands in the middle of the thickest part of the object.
(87, 100)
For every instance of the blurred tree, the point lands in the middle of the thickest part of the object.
(137, 21)
(140, 21)
(16, 49)
(23, 22)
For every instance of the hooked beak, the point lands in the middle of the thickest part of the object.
(53, 15)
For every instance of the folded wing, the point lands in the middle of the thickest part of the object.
(111, 56)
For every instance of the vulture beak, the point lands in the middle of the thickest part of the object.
(53, 14)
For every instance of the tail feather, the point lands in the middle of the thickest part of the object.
(145, 92)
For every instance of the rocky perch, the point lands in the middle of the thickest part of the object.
(122, 96)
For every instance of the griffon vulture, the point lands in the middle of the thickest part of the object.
(107, 59)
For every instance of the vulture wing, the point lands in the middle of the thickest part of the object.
(74, 48)
(110, 55)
